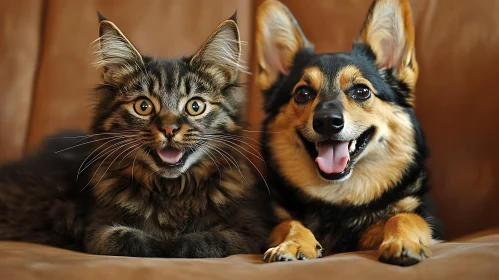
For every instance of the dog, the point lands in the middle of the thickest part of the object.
(345, 153)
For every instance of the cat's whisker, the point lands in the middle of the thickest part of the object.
(227, 160)
(261, 131)
(152, 173)
(229, 139)
(133, 164)
(236, 165)
(115, 158)
(88, 161)
(118, 133)
(232, 144)
(103, 153)
(119, 163)
(100, 165)
(223, 153)
(239, 141)
(201, 145)
(93, 141)
(250, 161)
(237, 137)
(98, 148)
(92, 135)
(214, 161)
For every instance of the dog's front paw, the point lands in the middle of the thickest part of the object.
(402, 252)
(291, 251)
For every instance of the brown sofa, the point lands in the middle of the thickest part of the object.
(45, 78)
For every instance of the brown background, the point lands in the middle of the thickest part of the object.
(46, 76)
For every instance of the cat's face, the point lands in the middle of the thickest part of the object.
(171, 114)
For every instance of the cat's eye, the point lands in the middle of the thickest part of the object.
(143, 107)
(361, 92)
(195, 107)
(304, 94)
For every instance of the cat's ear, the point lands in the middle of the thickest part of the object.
(115, 54)
(389, 32)
(222, 50)
(278, 39)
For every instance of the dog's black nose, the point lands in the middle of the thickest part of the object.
(328, 122)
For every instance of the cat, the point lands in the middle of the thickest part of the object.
(167, 176)
(40, 199)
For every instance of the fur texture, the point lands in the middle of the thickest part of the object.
(365, 97)
(166, 177)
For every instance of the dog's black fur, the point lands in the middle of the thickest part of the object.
(339, 223)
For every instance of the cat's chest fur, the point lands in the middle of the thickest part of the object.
(167, 207)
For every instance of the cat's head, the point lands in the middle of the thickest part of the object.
(164, 113)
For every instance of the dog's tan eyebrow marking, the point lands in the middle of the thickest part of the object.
(350, 75)
(312, 77)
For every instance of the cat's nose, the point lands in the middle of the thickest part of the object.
(170, 130)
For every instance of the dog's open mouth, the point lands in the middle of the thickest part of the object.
(335, 159)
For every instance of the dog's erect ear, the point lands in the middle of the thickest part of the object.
(223, 50)
(389, 31)
(278, 39)
(115, 54)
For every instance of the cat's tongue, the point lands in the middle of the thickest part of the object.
(333, 157)
(170, 155)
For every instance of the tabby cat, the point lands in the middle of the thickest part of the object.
(167, 176)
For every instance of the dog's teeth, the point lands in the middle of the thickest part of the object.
(351, 149)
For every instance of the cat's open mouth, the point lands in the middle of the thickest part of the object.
(170, 157)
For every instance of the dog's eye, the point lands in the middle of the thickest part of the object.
(195, 106)
(304, 94)
(361, 92)
(143, 107)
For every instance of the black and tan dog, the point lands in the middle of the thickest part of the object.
(345, 152)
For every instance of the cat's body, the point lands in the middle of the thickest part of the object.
(40, 199)
(190, 217)
(166, 176)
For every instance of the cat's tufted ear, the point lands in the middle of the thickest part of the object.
(222, 50)
(115, 54)
(278, 39)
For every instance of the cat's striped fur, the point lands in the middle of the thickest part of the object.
(149, 111)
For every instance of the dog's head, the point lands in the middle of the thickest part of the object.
(340, 126)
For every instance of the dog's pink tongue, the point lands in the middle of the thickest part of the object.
(333, 158)
(169, 155)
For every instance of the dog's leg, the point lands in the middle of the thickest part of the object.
(406, 240)
(289, 241)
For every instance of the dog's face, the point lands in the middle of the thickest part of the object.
(340, 126)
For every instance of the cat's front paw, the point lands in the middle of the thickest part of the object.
(291, 250)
